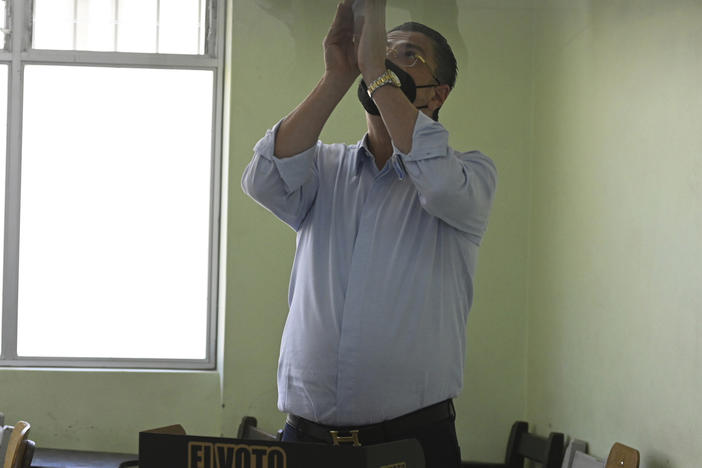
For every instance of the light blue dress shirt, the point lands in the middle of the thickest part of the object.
(382, 280)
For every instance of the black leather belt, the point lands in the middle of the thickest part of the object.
(391, 429)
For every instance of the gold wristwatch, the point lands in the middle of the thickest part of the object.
(387, 78)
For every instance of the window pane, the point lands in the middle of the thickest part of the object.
(3, 145)
(136, 25)
(150, 26)
(115, 212)
(53, 24)
(179, 27)
(95, 25)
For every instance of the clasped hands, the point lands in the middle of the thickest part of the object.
(346, 54)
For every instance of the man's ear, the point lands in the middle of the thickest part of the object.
(440, 95)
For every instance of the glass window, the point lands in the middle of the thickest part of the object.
(148, 26)
(111, 210)
(53, 24)
(115, 212)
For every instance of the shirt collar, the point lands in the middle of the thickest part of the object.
(363, 154)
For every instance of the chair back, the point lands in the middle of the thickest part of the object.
(14, 456)
(248, 430)
(548, 451)
(622, 456)
(574, 446)
(29, 448)
(5, 433)
(583, 460)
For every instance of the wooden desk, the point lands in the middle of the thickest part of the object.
(54, 458)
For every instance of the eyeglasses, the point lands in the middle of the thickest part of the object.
(407, 57)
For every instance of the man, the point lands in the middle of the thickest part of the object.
(387, 240)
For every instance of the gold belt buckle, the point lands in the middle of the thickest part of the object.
(338, 440)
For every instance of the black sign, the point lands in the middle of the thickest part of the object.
(157, 450)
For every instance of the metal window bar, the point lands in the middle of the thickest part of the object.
(75, 24)
(199, 25)
(158, 25)
(17, 54)
(116, 25)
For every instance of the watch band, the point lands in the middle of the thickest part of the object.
(387, 78)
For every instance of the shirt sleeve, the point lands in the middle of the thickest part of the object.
(457, 188)
(285, 186)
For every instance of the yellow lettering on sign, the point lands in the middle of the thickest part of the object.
(200, 455)
(208, 455)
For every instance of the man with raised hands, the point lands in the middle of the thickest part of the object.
(388, 231)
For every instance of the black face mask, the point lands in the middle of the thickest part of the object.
(408, 87)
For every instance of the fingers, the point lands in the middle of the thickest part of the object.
(358, 28)
(342, 26)
(344, 15)
(347, 13)
(337, 18)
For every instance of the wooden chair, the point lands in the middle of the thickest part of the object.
(622, 456)
(17, 447)
(548, 451)
(248, 429)
(29, 448)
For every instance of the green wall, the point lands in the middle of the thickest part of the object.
(105, 410)
(615, 327)
(585, 319)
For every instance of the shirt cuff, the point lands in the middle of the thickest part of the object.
(294, 170)
(429, 140)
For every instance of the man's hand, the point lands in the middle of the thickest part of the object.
(373, 41)
(301, 128)
(339, 49)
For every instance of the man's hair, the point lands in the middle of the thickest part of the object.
(446, 66)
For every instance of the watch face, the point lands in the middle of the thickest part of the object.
(395, 79)
(387, 78)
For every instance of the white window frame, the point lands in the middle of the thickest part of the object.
(17, 54)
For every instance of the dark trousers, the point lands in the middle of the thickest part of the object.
(438, 441)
